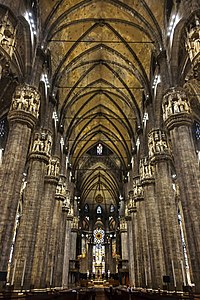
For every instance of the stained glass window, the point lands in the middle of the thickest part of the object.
(98, 236)
(197, 133)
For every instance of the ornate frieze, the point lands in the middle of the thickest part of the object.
(175, 101)
(7, 35)
(27, 99)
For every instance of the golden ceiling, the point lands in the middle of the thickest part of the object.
(101, 58)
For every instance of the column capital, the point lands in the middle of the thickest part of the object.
(53, 170)
(25, 105)
(176, 108)
(131, 203)
(41, 145)
(66, 202)
(123, 224)
(75, 224)
(61, 192)
(146, 171)
(158, 145)
(138, 193)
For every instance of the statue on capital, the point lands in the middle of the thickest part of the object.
(75, 223)
(146, 169)
(175, 101)
(53, 167)
(26, 98)
(42, 143)
(123, 224)
(61, 189)
(157, 143)
(137, 188)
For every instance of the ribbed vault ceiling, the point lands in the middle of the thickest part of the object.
(101, 57)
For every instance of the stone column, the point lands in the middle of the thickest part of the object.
(33, 194)
(155, 243)
(178, 120)
(134, 247)
(138, 197)
(159, 153)
(22, 117)
(74, 232)
(124, 238)
(90, 252)
(38, 279)
(73, 250)
(61, 242)
(60, 197)
(67, 246)
(131, 254)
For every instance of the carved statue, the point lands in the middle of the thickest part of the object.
(53, 167)
(26, 98)
(157, 142)
(41, 141)
(37, 144)
(75, 223)
(192, 43)
(7, 35)
(175, 101)
(146, 169)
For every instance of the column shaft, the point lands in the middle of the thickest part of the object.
(67, 253)
(26, 237)
(22, 118)
(53, 247)
(154, 236)
(144, 245)
(59, 254)
(178, 119)
(44, 232)
(169, 223)
(188, 178)
(136, 249)
(131, 254)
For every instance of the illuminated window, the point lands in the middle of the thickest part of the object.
(98, 236)
(99, 149)
(99, 209)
